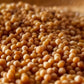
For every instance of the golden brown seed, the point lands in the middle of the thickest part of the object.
(44, 53)
(37, 78)
(44, 82)
(72, 72)
(16, 57)
(16, 63)
(66, 48)
(19, 44)
(4, 48)
(26, 56)
(65, 81)
(54, 76)
(61, 63)
(72, 51)
(49, 70)
(46, 42)
(10, 75)
(39, 49)
(18, 81)
(13, 46)
(8, 58)
(1, 68)
(47, 77)
(4, 80)
(30, 65)
(72, 55)
(18, 30)
(61, 70)
(46, 57)
(24, 78)
(58, 41)
(46, 64)
(76, 59)
(37, 73)
(25, 68)
(42, 73)
(8, 52)
(51, 60)
(34, 69)
(24, 48)
(57, 58)
(14, 41)
(63, 77)
(80, 64)
(58, 82)
(78, 79)
(40, 60)
(2, 62)
(8, 28)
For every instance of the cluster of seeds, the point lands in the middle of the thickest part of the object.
(41, 45)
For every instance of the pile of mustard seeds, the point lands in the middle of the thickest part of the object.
(41, 45)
